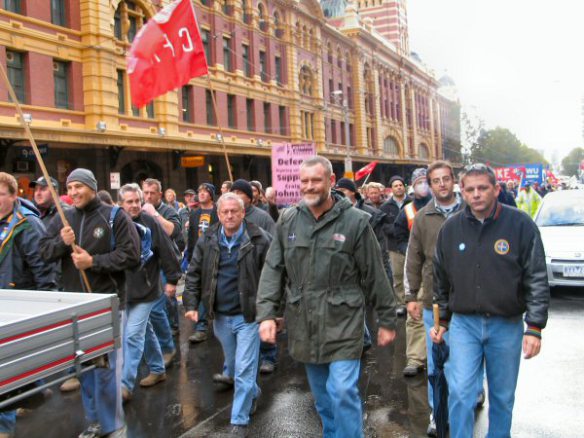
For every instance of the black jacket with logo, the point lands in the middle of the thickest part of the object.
(93, 234)
(492, 268)
(391, 209)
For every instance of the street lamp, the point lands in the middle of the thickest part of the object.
(338, 95)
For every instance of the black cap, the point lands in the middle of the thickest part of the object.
(346, 183)
(43, 183)
(189, 192)
(396, 178)
(243, 186)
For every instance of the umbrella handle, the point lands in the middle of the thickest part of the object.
(436, 310)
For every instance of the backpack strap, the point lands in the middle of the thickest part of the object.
(112, 217)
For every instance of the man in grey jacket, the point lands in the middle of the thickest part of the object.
(326, 260)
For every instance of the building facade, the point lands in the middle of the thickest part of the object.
(280, 71)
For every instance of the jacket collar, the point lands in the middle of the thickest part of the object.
(341, 204)
(495, 214)
(92, 205)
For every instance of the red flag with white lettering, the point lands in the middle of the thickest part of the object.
(364, 171)
(166, 53)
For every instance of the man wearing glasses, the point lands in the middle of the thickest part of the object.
(489, 270)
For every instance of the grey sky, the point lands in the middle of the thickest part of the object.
(517, 63)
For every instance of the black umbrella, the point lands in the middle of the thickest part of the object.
(438, 381)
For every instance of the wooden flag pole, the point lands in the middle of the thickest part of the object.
(219, 126)
(41, 162)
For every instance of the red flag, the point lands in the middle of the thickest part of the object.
(364, 171)
(166, 53)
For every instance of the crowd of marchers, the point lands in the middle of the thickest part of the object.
(251, 266)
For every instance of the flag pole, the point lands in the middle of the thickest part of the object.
(219, 126)
(41, 162)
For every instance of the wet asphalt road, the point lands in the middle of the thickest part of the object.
(549, 401)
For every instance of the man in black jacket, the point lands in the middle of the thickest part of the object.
(224, 273)
(170, 221)
(142, 291)
(90, 229)
(489, 269)
(392, 207)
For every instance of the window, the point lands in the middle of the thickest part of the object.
(246, 63)
(282, 117)
(333, 131)
(15, 71)
(186, 97)
(267, 117)
(135, 111)
(121, 92)
(61, 78)
(150, 110)
(349, 97)
(58, 13)
(249, 108)
(351, 134)
(128, 19)
(331, 89)
(211, 119)
(246, 14)
(13, 6)
(278, 31)
(262, 18)
(263, 66)
(343, 136)
(390, 147)
(348, 62)
(278, 67)
(206, 37)
(329, 53)
(227, 54)
(424, 152)
(339, 59)
(305, 81)
(231, 111)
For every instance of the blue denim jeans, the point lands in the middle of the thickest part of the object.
(161, 327)
(336, 393)
(138, 329)
(101, 392)
(477, 341)
(241, 346)
(7, 421)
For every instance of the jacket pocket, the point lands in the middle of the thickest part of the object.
(345, 314)
(295, 317)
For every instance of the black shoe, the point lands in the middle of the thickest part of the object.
(198, 337)
(238, 431)
(267, 367)
(401, 312)
(224, 381)
(412, 369)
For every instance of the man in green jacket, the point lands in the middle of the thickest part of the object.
(327, 259)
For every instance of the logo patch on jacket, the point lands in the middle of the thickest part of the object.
(502, 247)
(98, 232)
(339, 237)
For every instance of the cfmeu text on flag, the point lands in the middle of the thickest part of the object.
(166, 53)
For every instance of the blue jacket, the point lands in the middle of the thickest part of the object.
(21, 266)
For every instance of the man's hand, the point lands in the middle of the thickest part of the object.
(531, 346)
(149, 208)
(170, 290)
(268, 331)
(68, 235)
(193, 315)
(385, 336)
(81, 259)
(437, 336)
(415, 310)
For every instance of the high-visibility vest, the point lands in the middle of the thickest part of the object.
(410, 210)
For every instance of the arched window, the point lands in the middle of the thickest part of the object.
(278, 26)
(305, 81)
(329, 53)
(128, 19)
(348, 61)
(305, 38)
(390, 147)
(339, 58)
(423, 151)
(311, 40)
(262, 18)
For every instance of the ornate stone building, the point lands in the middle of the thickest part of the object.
(281, 70)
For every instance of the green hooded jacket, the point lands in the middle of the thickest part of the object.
(328, 270)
